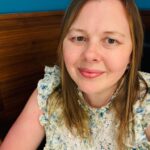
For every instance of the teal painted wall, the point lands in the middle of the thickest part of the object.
(13, 6)
(143, 4)
(21, 6)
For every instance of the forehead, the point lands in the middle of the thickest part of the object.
(115, 5)
(102, 14)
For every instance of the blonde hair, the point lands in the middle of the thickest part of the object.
(75, 117)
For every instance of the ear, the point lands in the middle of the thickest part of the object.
(129, 61)
(128, 66)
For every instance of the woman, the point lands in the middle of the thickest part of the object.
(97, 99)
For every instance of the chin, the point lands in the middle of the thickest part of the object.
(88, 90)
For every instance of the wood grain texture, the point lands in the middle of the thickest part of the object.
(28, 42)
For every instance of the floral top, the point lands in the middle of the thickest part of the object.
(102, 121)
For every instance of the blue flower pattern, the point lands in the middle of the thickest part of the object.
(102, 121)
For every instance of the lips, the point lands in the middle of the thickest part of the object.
(90, 73)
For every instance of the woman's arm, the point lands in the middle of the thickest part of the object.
(26, 133)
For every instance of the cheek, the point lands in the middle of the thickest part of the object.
(66, 53)
(66, 57)
(71, 54)
(69, 57)
(118, 62)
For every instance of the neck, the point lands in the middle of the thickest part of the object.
(98, 100)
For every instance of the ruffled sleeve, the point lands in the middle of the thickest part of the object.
(141, 112)
(146, 102)
(45, 87)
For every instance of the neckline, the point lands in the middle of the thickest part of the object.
(91, 109)
(102, 109)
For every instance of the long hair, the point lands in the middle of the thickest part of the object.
(75, 117)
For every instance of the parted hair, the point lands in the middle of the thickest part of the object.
(75, 117)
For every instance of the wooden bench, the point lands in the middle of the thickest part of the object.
(28, 42)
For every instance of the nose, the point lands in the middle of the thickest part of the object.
(92, 52)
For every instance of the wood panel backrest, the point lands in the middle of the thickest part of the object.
(145, 14)
(28, 42)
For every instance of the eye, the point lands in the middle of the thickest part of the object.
(79, 39)
(111, 41)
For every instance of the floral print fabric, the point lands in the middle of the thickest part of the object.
(102, 121)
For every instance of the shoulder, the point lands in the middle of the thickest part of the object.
(146, 77)
(144, 84)
(47, 85)
(144, 88)
(51, 79)
(141, 108)
(45, 88)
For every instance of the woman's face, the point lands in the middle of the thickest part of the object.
(98, 47)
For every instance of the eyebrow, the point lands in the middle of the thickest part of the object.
(77, 30)
(106, 32)
(115, 33)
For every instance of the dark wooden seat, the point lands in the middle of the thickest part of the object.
(145, 66)
(28, 42)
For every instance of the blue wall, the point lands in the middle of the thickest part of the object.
(143, 4)
(13, 6)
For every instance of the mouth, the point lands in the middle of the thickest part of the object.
(90, 73)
